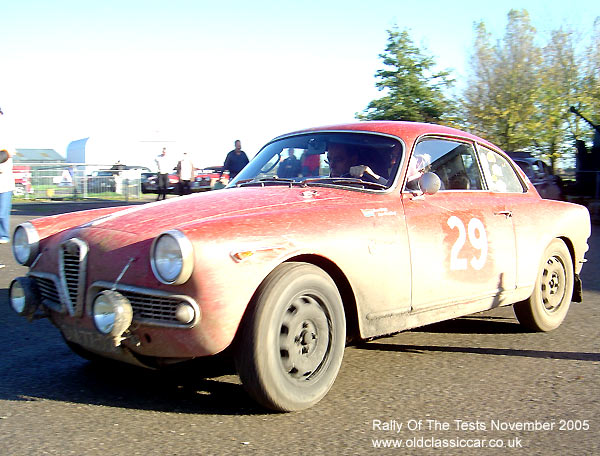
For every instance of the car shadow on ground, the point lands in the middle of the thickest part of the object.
(42, 367)
(476, 324)
(480, 351)
(184, 390)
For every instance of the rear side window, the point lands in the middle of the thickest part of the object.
(499, 174)
(454, 162)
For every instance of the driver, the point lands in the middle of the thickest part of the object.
(342, 163)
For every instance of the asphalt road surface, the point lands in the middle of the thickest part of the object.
(473, 382)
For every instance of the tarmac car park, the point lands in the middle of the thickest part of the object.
(400, 225)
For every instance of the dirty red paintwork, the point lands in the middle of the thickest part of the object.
(389, 251)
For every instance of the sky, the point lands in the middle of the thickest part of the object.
(137, 75)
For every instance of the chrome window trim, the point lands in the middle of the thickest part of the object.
(454, 138)
(510, 161)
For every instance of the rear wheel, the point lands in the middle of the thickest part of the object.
(549, 303)
(293, 338)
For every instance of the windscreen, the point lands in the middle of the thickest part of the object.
(334, 158)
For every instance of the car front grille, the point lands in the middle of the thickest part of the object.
(71, 273)
(48, 290)
(153, 308)
(73, 258)
(67, 292)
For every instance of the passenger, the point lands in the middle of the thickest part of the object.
(290, 167)
(418, 165)
(310, 164)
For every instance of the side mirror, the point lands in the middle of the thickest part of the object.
(3, 156)
(429, 183)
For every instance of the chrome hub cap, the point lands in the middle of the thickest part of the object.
(553, 284)
(304, 338)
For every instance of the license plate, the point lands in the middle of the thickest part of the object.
(89, 339)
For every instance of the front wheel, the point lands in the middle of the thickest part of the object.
(292, 339)
(549, 303)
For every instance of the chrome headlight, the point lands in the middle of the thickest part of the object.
(172, 257)
(112, 313)
(25, 245)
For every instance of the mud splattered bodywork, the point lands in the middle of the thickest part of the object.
(377, 227)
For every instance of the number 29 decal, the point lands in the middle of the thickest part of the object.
(477, 238)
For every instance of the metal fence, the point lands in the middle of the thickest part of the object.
(76, 181)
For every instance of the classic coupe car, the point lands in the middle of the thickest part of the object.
(384, 227)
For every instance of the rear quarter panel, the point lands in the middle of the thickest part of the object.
(537, 222)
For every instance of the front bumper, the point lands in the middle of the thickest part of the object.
(160, 320)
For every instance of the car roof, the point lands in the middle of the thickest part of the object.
(409, 131)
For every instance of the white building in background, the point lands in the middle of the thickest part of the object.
(104, 152)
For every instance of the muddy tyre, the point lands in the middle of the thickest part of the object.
(549, 303)
(293, 337)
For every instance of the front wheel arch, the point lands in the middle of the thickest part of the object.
(302, 299)
(344, 288)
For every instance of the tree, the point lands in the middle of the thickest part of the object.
(413, 91)
(592, 77)
(560, 88)
(588, 102)
(500, 100)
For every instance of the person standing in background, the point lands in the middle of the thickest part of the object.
(162, 163)
(235, 160)
(185, 171)
(7, 185)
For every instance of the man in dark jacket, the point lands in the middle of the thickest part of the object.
(235, 160)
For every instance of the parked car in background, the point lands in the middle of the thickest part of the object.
(540, 174)
(102, 181)
(398, 225)
(22, 174)
(206, 179)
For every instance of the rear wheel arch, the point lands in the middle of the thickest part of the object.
(571, 248)
(550, 300)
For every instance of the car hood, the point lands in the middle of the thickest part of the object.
(175, 213)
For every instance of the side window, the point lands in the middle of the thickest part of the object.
(454, 162)
(499, 174)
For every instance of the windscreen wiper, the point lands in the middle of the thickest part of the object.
(264, 181)
(343, 181)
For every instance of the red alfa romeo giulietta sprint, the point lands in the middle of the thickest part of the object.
(328, 235)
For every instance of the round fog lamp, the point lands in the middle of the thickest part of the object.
(22, 296)
(112, 313)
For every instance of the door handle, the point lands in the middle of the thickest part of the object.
(507, 214)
